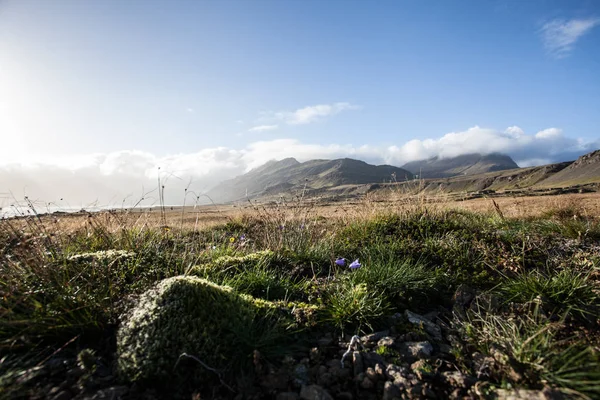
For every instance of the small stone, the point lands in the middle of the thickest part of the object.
(287, 396)
(358, 378)
(434, 330)
(386, 342)
(371, 374)
(394, 372)
(371, 359)
(417, 349)
(366, 383)
(275, 381)
(391, 391)
(324, 342)
(63, 395)
(422, 369)
(326, 379)
(374, 337)
(415, 391)
(314, 392)
(314, 354)
(357, 361)
(428, 392)
(300, 375)
(527, 394)
(344, 396)
(463, 296)
(379, 370)
(457, 379)
(340, 374)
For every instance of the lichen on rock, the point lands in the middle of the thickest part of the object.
(184, 314)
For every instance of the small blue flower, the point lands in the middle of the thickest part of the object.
(340, 262)
(355, 264)
(243, 237)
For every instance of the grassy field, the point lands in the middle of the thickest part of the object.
(477, 298)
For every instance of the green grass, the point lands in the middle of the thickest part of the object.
(56, 286)
(528, 349)
(566, 290)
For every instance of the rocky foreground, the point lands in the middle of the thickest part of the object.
(415, 358)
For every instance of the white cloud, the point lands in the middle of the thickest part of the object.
(111, 178)
(550, 133)
(263, 128)
(315, 113)
(559, 36)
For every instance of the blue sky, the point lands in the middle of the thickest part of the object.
(212, 88)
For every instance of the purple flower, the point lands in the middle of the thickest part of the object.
(355, 264)
(340, 262)
(243, 237)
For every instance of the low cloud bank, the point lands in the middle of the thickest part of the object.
(125, 177)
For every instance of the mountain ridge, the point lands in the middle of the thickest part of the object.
(348, 177)
(465, 164)
(288, 175)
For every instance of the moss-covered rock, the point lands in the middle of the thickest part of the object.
(190, 315)
(234, 263)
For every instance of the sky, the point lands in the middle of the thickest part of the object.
(99, 99)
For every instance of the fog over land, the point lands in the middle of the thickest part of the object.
(122, 177)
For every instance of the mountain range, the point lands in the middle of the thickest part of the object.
(464, 174)
(467, 164)
(290, 176)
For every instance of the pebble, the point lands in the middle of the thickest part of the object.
(366, 383)
(344, 396)
(431, 328)
(386, 342)
(417, 349)
(379, 370)
(391, 391)
(371, 374)
(314, 392)
(374, 337)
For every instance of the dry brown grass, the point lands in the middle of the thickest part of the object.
(203, 217)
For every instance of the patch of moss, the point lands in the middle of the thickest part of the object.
(189, 315)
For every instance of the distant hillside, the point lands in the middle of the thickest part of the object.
(586, 169)
(289, 175)
(468, 164)
(565, 177)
